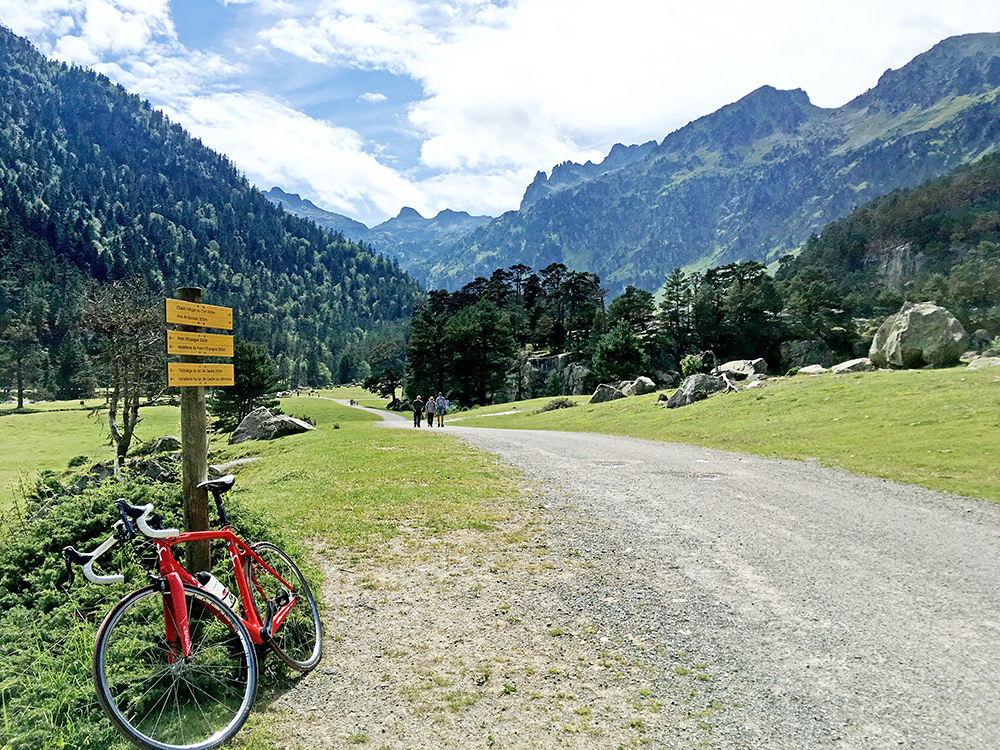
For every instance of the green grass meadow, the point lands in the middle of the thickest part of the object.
(352, 483)
(45, 437)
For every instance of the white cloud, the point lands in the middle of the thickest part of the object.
(515, 87)
(276, 145)
(508, 87)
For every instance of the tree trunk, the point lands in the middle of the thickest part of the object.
(20, 385)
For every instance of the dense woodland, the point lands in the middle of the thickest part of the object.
(96, 186)
(939, 242)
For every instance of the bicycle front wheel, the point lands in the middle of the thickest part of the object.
(154, 696)
(298, 640)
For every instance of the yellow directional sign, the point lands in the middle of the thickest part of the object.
(195, 314)
(199, 344)
(182, 373)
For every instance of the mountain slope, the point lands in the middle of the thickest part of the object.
(95, 184)
(408, 237)
(306, 209)
(939, 241)
(753, 180)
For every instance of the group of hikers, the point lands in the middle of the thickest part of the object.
(435, 407)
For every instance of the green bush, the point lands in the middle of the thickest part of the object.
(557, 403)
(691, 364)
(46, 633)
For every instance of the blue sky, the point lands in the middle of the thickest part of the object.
(366, 106)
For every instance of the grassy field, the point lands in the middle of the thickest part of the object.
(343, 487)
(47, 436)
(349, 485)
(352, 483)
(934, 428)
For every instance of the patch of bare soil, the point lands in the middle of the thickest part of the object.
(477, 640)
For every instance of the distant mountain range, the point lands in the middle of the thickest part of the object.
(408, 237)
(753, 180)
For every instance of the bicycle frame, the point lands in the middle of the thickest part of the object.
(176, 576)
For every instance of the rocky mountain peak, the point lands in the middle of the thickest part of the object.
(966, 65)
(409, 214)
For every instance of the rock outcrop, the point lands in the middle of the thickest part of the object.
(696, 388)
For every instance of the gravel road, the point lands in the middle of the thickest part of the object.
(816, 608)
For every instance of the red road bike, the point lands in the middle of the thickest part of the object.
(176, 662)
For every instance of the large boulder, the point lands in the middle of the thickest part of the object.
(167, 444)
(919, 335)
(981, 362)
(606, 393)
(639, 387)
(804, 352)
(696, 388)
(260, 424)
(741, 369)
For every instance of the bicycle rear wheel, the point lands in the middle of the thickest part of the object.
(160, 701)
(298, 641)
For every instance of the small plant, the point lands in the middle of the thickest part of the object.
(691, 364)
(358, 738)
(482, 679)
(509, 689)
(792, 371)
(557, 403)
(77, 461)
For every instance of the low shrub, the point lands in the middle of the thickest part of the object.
(691, 365)
(557, 403)
(46, 632)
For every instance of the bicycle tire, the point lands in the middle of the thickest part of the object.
(299, 640)
(162, 704)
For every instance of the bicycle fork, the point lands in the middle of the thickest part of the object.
(175, 616)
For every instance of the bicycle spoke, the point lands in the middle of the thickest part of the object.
(158, 700)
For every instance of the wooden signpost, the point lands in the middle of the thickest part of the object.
(192, 374)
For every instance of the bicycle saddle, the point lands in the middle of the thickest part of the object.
(220, 485)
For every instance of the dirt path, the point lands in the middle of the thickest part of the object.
(667, 596)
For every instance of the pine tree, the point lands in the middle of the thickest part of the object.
(256, 383)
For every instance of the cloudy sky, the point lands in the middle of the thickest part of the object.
(365, 106)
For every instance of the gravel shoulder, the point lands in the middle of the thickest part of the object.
(661, 595)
